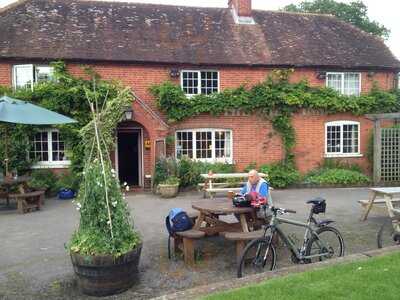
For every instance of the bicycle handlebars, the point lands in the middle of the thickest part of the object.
(280, 210)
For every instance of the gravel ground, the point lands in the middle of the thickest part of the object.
(35, 265)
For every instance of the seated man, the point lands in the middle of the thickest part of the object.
(255, 184)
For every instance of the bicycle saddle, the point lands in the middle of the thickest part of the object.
(316, 201)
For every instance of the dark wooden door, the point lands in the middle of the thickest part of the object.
(128, 157)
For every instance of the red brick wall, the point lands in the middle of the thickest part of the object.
(5, 74)
(253, 138)
(310, 138)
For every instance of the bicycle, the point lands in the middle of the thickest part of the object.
(389, 233)
(321, 241)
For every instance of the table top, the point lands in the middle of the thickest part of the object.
(220, 206)
(229, 175)
(387, 190)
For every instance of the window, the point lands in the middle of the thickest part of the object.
(342, 138)
(345, 83)
(205, 144)
(48, 149)
(200, 82)
(24, 76)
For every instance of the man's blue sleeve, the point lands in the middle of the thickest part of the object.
(264, 189)
(243, 191)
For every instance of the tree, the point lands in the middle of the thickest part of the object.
(355, 13)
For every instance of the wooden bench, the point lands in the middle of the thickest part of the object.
(211, 188)
(379, 204)
(218, 187)
(28, 201)
(241, 238)
(188, 237)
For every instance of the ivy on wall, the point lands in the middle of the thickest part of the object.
(66, 95)
(276, 99)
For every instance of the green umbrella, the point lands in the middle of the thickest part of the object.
(22, 112)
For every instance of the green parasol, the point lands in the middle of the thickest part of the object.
(22, 112)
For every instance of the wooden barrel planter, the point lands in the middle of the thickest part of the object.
(103, 275)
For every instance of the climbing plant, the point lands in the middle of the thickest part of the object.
(276, 99)
(66, 94)
(105, 225)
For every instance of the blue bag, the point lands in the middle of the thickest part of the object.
(176, 221)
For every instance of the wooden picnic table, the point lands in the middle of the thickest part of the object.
(388, 194)
(7, 183)
(211, 209)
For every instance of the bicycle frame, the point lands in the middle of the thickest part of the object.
(309, 231)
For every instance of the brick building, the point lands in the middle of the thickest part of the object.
(204, 50)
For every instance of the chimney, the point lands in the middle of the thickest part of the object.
(241, 7)
(241, 11)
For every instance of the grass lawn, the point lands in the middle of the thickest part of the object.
(375, 278)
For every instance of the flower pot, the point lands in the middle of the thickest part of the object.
(102, 275)
(168, 190)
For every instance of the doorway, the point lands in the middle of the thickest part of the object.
(129, 156)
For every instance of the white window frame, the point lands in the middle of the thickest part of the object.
(199, 80)
(342, 81)
(341, 154)
(33, 73)
(50, 164)
(213, 159)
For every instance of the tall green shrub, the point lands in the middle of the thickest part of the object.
(105, 225)
(189, 172)
(281, 175)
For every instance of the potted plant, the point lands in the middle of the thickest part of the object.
(169, 187)
(105, 249)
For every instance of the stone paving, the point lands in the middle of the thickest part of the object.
(35, 265)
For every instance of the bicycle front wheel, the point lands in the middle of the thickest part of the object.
(327, 243)
(387, 236)
(258, 256)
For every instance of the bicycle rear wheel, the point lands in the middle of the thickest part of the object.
(328, 243)
(258, 256)
(387, 236)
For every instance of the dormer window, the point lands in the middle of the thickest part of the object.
(199, 82)
(346, 83)
(25, 76)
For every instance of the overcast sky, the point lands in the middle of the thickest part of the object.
(386, 12)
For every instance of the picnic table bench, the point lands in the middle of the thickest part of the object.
(388, 199)
(28, 201)
(210, 187)
(241, 238)
(208, 223)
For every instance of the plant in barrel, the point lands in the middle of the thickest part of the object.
(105, 249)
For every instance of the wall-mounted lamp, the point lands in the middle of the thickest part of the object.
(321, 75)
(128, 114)
(174, 73)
